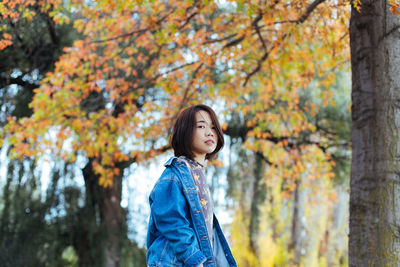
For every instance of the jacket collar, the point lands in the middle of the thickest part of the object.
(169, 162)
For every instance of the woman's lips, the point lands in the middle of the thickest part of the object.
(210, 142)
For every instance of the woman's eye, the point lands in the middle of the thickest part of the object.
(200, 126)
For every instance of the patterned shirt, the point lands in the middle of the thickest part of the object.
(203, 191)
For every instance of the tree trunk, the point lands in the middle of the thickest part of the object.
(375, 177)
(112, 218)
(259, 195)
(296, 245)
(101, 229)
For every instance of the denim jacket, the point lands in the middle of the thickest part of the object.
(177, 233)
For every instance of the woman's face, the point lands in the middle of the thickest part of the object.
(204, 136)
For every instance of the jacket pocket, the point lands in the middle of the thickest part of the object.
(160, 255)
(168, 258)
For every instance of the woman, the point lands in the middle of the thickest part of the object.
(183, 230)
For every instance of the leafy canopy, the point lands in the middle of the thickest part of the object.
(113, 94)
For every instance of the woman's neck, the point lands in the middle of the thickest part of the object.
(200, 159)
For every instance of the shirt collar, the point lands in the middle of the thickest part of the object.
(193, 162)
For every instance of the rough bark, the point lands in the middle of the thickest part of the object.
(102, 230)
(375, 177)
(113, 219)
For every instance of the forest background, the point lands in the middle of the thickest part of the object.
(90, 90)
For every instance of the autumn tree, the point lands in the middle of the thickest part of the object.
(30, 46)
(374, 239)
(113, 95)
(272, 201)
(34, 35)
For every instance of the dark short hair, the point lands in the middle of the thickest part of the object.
(182, 133)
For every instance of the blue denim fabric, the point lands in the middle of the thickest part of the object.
(177, 233)
(220, 255)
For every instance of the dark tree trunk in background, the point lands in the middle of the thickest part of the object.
(112, 219)
(99, 239)
(258, 198)
(375, 177)
(296, 244)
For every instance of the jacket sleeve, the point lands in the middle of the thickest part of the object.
(170, 212)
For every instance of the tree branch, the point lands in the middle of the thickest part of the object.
(303, 17)
(189, 85)
(256, 26)
(211, 41)
(140, 31)
(175, 69)
(259, 64)
(234, 42)
(120, 36)
(4, 81)
(265, 159)
(309, 10)
(50, 25)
